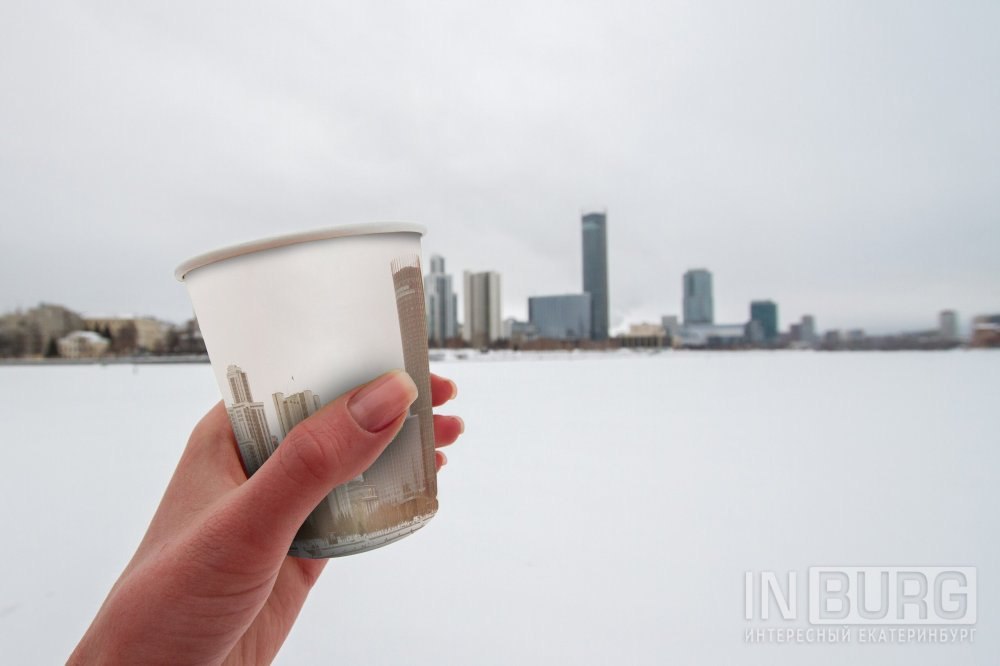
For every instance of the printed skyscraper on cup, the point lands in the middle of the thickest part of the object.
(408, 280)
(249, 423)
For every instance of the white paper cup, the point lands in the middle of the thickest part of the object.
(291, 323)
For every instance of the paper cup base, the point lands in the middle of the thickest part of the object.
(346, 545)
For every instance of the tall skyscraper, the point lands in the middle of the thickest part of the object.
(766, 314)
(239, 385)
(442, 306)
(698, 305)
(482, 323)
(253, 436)
(595, 271)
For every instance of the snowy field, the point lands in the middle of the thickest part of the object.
(601, 508)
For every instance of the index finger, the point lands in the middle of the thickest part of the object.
(442, 390)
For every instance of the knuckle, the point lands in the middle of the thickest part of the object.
(230, 540)
(304, 455)
(313, 452)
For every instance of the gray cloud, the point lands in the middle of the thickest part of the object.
(840, 158)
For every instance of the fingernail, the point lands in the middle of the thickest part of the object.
(454, 389)
(382, 401)
(444, 458)
(461, 423)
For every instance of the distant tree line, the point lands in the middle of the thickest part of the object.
(36, 333)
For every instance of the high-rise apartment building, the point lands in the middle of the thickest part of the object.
(948, 325)
(482, 323)
(253, 436)
(807, 330)
(698, 305)
(595, 271)
(766, 314)
(239, 385)
(442, 305)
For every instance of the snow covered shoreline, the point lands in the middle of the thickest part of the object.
(453, 355)
(598, 511)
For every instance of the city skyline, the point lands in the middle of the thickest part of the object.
(697, 294)
(571, 316)
(880, 325)
(490, 323)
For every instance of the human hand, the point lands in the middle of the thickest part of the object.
(211, 581)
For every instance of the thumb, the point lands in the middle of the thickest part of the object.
(329, 448)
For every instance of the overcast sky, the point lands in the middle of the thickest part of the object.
(840, 158)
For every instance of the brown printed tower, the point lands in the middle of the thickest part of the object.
(253, 436)
(409, 283)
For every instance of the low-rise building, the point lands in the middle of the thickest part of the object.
(82, 344)
(712, 335)
(671, 325)
(137, 334)
(563, 317)
(986, 331)
(644, 335)
(517, 331)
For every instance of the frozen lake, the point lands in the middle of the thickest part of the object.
(599, 508)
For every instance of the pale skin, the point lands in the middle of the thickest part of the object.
(211, 581)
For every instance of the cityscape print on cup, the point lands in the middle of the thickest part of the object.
(398, 493)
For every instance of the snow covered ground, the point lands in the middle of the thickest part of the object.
(601, 508)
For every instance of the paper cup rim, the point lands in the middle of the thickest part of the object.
(249, 247)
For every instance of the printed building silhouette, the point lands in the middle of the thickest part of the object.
(408, 281)
(294, 408)
(397, 476)
(355, 500)
(347, 503)
(249, 423)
